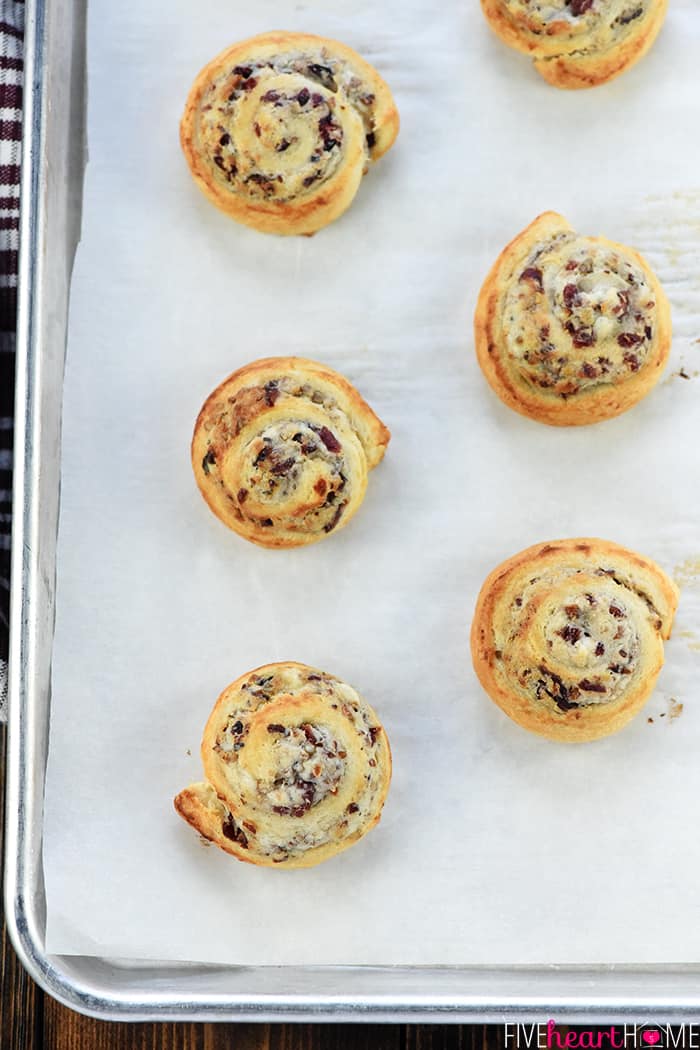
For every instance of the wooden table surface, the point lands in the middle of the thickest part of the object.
(31, 1020)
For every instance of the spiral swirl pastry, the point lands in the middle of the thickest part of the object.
(281, 451)
(278, 130)
(578, 43)
(569, 329)
(297, 768)
(567, 636)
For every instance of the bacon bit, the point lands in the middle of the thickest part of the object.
(231, 831)
(209, 461)
(572, 611)
(619, 669)
(633, 361)
(242, 495)
(271, 393)
(589, 370)
(532, 273)
(581, 336)
(570, 633)
(321, 486)
(280, 469)
(579, 7)
(570, 295)
(616, 611)
(335, 519)
(624, 302)
(629, 339)
(329, 440)
(599, 649)
(353, 808)
(591, 687)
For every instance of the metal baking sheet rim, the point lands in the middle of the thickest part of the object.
(54, 157)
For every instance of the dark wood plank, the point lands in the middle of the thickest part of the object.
(454, 1037)
(64, 1030)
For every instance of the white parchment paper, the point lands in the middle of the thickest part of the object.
(495, 846)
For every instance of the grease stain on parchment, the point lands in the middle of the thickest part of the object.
(692, 640)
(674, 709)
(687, 574)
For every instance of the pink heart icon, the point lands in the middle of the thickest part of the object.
(651, 1038)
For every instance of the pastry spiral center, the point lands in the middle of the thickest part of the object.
(578, 315)
(292, 470)
(590, 645)
(309, 765)
(276, 129)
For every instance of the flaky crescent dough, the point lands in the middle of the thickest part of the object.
(567, 636)
(282, 449)
(278, 130)
(569, 329)
(578, 43)
(297, 768)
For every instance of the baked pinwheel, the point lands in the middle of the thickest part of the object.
(567, 636)
(278, 130)
(282, 448)
(578, 43)
(570, 329)
(297, 768)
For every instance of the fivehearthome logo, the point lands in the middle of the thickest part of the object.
(554, 1036)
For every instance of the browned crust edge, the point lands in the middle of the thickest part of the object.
(374, 443)
(592, 406)
(584, 724)
(284, 217)
(189, 807)
(574, 70)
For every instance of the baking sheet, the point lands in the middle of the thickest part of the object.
(495, 846)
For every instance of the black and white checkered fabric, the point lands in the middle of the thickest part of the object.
(11, 70)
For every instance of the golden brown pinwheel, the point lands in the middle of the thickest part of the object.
(282, 449)
(297, 768)
(567, 636)
(578, 43)
(569, 329)
(278, 130)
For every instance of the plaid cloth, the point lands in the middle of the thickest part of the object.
(11, 69)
